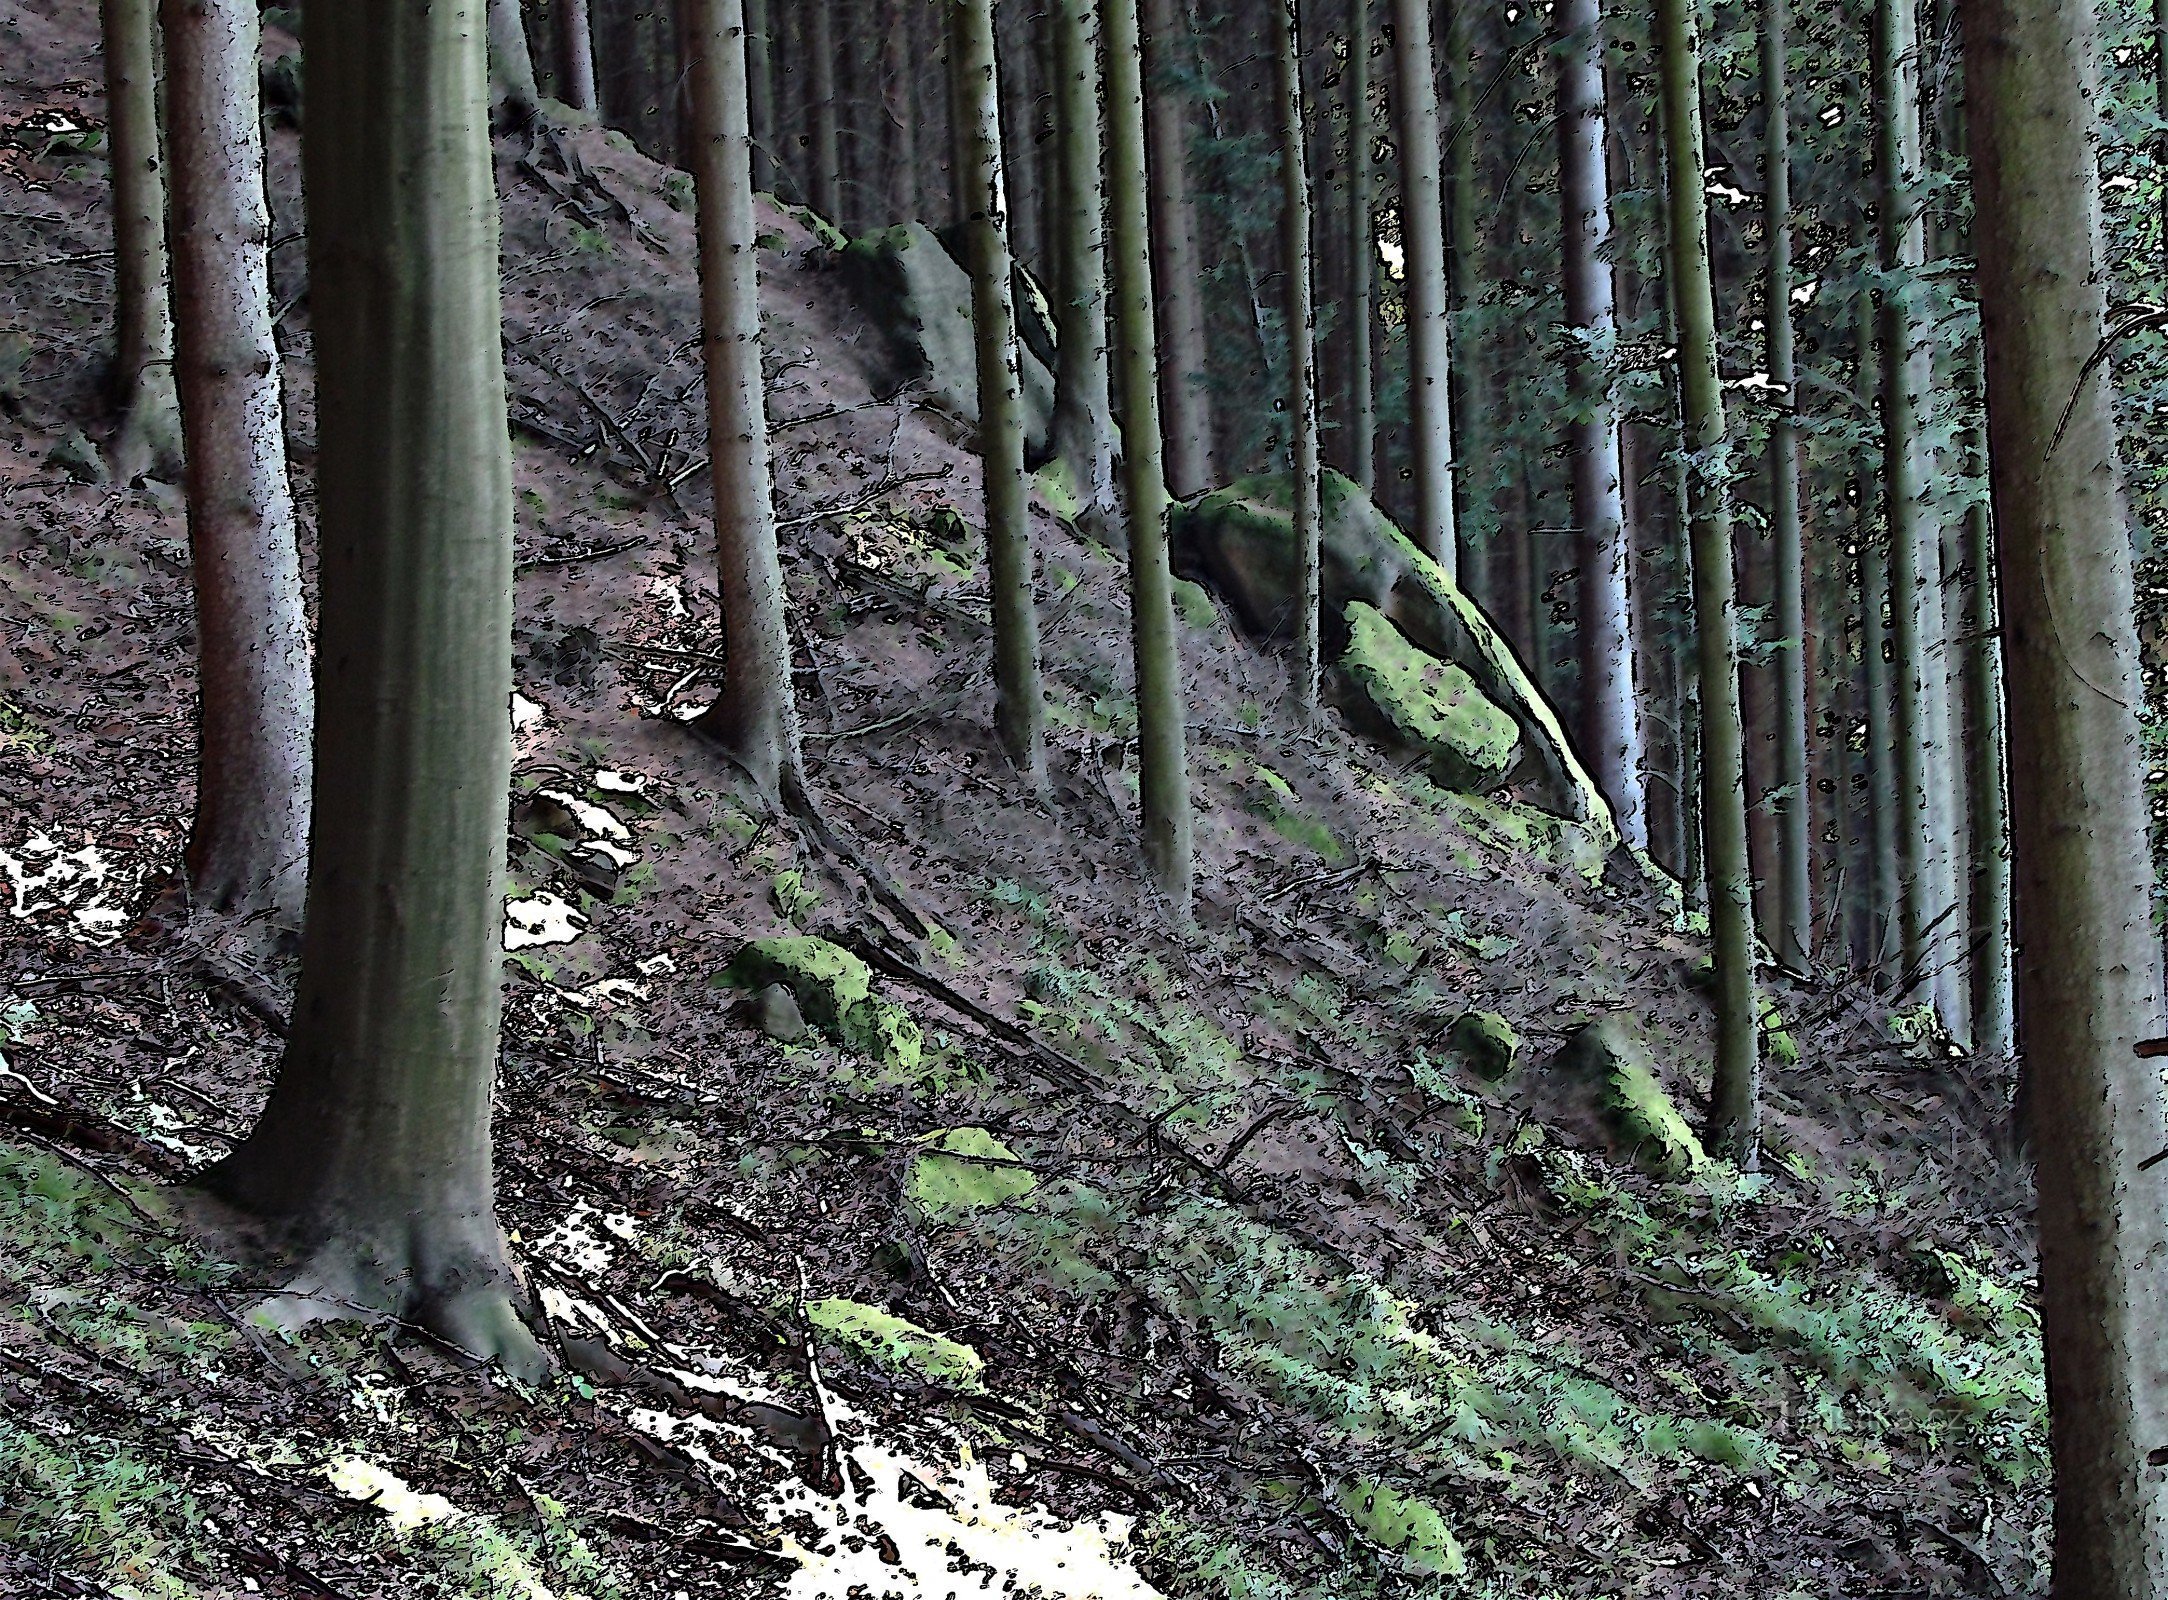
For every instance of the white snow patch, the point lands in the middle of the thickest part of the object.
(599, 821)
(621, 782)
(45, 878)
(387, 1491)
(543, 919)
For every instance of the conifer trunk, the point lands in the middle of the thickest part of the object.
(824, 169)
(1362, 294)
(1422, 237)
(1793, 922)
(760, 93)
(1083, 427)
(1610, 720)
(1162, 739)
(1301, 348)
(899, 98)
(1734, 1127)
(755, 718)
(141, 378)
(248, 844)
(511, 64)
(576, 55)
(2088, 964)
(373, 1155)
(1994, 1016)
(1020, 714)
(1183, 397)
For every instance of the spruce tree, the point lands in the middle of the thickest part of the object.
(140, 379)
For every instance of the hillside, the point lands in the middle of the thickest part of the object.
(1103, 1262)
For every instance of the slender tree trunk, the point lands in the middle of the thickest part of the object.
(141, 378)
(1794, 920)
(899, 99)
(1610, 709)
(2088, 964)
(1922, 730)
(1734, 1128)
(1162, 740)
(1362, 294)
(824, 168)
(576, 55)
(1020, 717)
(759, 94)
(511, 66)
(1301, 349)
(374, 1150)
(1180, 307)
(755, 718)
(1994, 1018)
(1422, 237)
(249, 840)
(1464, 257)
(1083, 428)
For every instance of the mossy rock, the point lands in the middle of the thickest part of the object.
(1615, 1062)
(1485, 1043)
(1777, 1043)
(1419, 703)
(834, 991)
(898, 1343)
(917, 305)
(1408, 1527)
(964, 1170)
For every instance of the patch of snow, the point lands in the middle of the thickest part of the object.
(621, 782)
(387, 1491)
(46, 878)
(543, 919)
(599, 821)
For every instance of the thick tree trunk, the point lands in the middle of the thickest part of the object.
(248, 844)
(1422, 238)
(1174, 258)
(1362, 250)
(141, 378)
(374, 1151)
(1793, 922)
(1610, 720)
(2088, 963)
(1734, 1128)
(1301, 319)
(1083, 428)
(755, 718)
(512, 92)
(1020, 716)
(576, 56)
(1162, 739)
(824, 160)
(1933, 956)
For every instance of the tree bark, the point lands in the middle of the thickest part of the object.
(1933, 957)
(1301, 319)
(760, 94)
(248, 843)
(1162, 739)
(576, 55)
(755, 718)
(373, 1153)
(1020, 714)
(1610, 721)
(1994, 1017)
(141, 378)
(1174, 258)
(1362, 247)
(513, 94)
(899, 98)
(1734, 1127)
(1422, 239)
(1083, 427)
(824, 162)
(2088, 963)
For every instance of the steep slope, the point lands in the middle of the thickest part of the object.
(1097, 1260)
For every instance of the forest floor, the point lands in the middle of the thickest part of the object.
(1189, 1267)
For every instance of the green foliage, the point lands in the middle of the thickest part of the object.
(964, 1170)
(834, 991)
(898, 1342)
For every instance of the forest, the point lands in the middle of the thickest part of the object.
(1121, 799)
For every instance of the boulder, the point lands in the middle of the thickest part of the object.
(917, 304)
(1417, 702)
(833, 990)
(1239, 541)
(1612, 1063)
(1485, 1043)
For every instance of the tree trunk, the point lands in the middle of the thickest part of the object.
(1422, 238)
(248, 842)
(512, 92)
(1162, 740)
(1933, 961)
(1464, 260)
(1301, 350)
(1362, 294)
(899, 97)
(755, 718)
(1610, 723)
(1994, 1018)
(2088, 963)
(759, 94)
(576, 55)
(1734, 1128)
(374, 1150)
(1083, 428)
(1794, 920)
(1180, 308)
(141, 379)
(1020, 716)
(824, 162)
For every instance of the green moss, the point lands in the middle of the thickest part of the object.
(1632, 1100)
(1778, 1045)
(834, 991)
(896, 1342)
(1280, 806)
(965, 1170)
(793, 896)
(1194, 606)
(826, 232)
(1410, 1528)
(1428, 704)
(1485, 1043)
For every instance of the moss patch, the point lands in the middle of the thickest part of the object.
(1410, 1528)
(965, 1170)
(896, 1342)
(834, 991)
(1485, 1043)
(1426, 704)
(1631, 1100)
